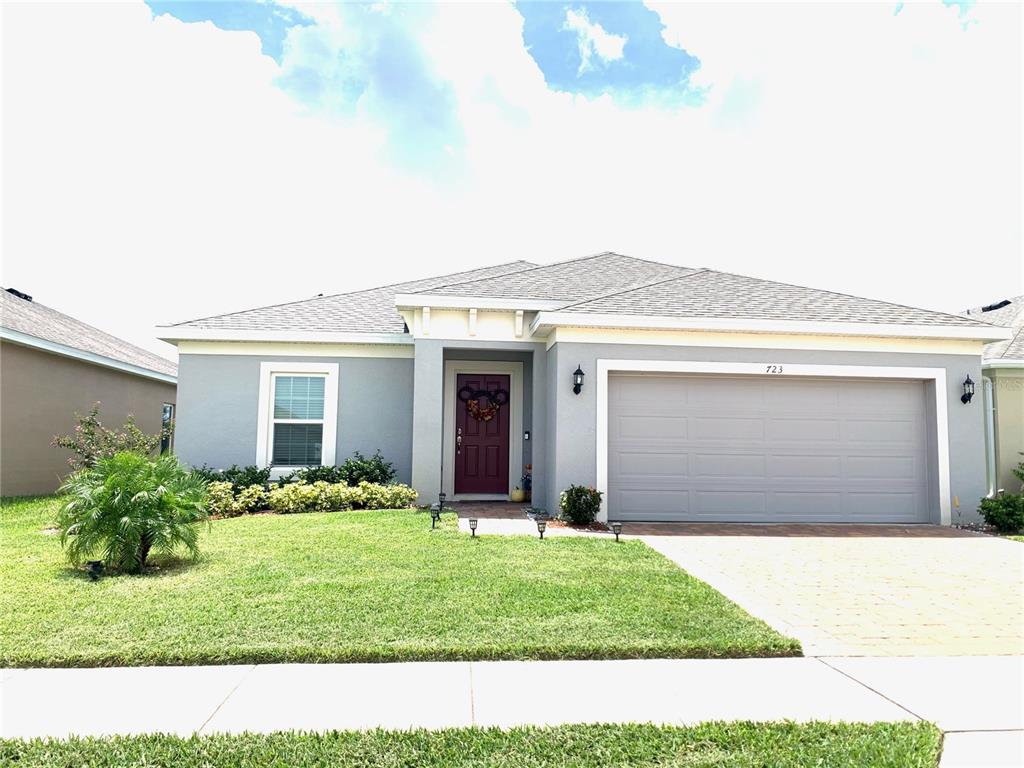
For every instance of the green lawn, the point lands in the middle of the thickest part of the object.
(712, 745)
(361, 586)
(1016, 537)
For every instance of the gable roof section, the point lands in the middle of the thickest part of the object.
(1010, 316)
(368, 311)
(711, 294)
(566, 281)
(620, 290)
(35, 324)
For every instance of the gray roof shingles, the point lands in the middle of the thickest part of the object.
(369, 311)
(707, 293)
(1011, 316)
(605, 283)
(34, 319)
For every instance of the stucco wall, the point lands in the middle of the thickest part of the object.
(431, 355)
(574, 418)
(219, 403)
(40, 393)
(1008, 396)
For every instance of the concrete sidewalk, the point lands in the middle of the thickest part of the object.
(977, 700)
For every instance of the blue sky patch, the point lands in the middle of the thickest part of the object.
(268, 20)
(606, 47)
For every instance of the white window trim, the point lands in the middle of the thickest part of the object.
(265, 420)
(514, 370)
(937, 375)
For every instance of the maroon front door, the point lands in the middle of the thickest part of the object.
(481, 434)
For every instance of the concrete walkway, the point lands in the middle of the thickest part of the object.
(978, 701)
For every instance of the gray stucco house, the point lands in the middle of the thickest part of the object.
(704, 395)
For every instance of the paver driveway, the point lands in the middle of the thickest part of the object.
(867, 591)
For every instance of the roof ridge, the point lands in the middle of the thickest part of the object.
(691, 273)
(851, 296)
(342, 293)
(529, 269)
(560, 263)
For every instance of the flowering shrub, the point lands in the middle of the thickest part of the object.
(91, 441)
(580, 504)
(251, 499)
(219, 499)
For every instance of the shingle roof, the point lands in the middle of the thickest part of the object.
(571, 280)
(707, 293)
(605, 283)
(34, 319)
(1010, 316)
(369, 311)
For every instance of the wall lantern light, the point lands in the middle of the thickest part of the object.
(577, 380)
(541, 525)
(965, 398)
(616, 529)
(473, 522)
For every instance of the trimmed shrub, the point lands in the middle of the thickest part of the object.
(219, 498)
(294, 497)
(358, 469)
(239, 477)
(1005, 513)
(251, 499)
(376, 496)
(580, 504)
(126, 506)
(323, 474)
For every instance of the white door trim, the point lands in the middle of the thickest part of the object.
(452, 368)
(937, 375)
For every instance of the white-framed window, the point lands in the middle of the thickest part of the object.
(297, 425)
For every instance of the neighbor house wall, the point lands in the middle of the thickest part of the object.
(573, 457)
(219, 404)
(1008, 396)
(40, 392)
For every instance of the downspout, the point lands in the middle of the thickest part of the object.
(990, 436)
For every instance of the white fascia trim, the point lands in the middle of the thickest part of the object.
(937, 375)
(173, 334)
(16, 337)
(264, 420)
(438, 301)
(995, 363)
(545, 320)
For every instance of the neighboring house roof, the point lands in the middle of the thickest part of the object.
(1010, 314)
(369, 311)
(605, 284)
(29, 322)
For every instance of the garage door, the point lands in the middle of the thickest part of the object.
(766, 449)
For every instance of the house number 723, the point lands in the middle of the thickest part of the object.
(773, 369)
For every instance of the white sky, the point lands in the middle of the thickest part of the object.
(154, 172)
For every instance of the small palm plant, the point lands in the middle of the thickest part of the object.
(127, 506)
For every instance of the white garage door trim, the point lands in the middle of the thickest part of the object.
(775, 368)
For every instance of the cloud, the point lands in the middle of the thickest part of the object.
(596, 49)
(192, 182)
(593, 40)
(270, 21)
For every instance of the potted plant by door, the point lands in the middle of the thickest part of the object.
(527, 481)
